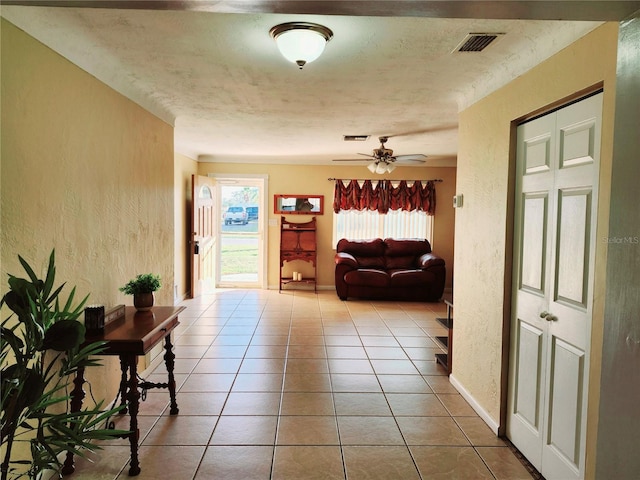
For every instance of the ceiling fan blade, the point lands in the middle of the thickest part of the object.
(367, 155)
(416, 157)
(351, 160)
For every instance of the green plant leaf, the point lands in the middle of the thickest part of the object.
(64, 335)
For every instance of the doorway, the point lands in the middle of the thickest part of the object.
(241, 258)
(557, 167)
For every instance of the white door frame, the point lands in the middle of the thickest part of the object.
(262, 182)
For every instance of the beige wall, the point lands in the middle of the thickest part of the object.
(484, 224)
(313, 179)
(185, 167)
(84, 171)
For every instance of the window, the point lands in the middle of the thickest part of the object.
(368, 224)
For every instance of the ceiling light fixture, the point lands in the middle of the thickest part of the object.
(381, 167)
(301, 42)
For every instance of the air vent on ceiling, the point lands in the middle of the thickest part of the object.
(477, 42)
(355, 138)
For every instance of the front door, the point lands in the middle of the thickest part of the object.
(202, 233)
(554, 243)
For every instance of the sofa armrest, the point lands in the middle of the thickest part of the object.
(429, 260)
(346, 259)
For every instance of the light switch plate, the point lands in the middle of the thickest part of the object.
(457, 201)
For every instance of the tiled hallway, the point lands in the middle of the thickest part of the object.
(299, 386)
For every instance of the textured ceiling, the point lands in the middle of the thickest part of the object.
(219, 78)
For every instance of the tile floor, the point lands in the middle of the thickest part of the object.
(297, 385)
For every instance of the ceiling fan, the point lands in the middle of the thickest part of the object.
(383, 158)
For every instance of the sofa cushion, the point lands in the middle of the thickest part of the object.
(406, 262)
(408, 247)
(362, 248)
(409, 278)
(367, 276)
(371, 262)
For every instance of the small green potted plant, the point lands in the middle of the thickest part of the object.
(142, 288)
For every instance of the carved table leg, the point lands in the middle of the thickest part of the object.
(123, 384)
(77, 396)
(133, 400)
(169, 358)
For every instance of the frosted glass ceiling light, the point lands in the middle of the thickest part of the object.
(301, 42)
(372, 167)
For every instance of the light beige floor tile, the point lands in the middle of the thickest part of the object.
(270, 340)
(181, 365)
(378, 341)
(416, 342)
(343, 340)
(231, 340)
(450, 463)
(194, 340)
(429, 367)
(456, 405)
(266, 351)
(199, 403)
(205, 382)
(262, 365)
(393, 367)
(241, 403)
(503, 463)
(298, 339)
(181, 430)
(374, 404)
(437, 431)
(422, 353)
(306, 351)
(416, 405)
(334, 351)
(386, 353)
(304, 403)
(354, 382)
(105, 464)
(236, 463)
(225, 351)
(440, 384)
(258, 382)
(190, 351)
(369, 431)
(307, 463)
(478, 432)
(153, 462)
(404, 384)
(245, 430)
(379, 463)
(307, 365)
(218, 365)
(374, 330)
(342, 365)
(307, 382)
(308, 430)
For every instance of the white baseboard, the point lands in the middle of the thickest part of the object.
(482, 413)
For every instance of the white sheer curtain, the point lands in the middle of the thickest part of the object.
(367, 224)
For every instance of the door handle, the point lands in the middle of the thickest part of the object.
(549, 317)
(196, 248)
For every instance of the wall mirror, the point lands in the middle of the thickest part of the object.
(298, 204)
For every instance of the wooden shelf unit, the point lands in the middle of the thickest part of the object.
(298, 242)
(446, 359)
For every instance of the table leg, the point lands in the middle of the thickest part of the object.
(77, 396)
(133, 400)
(169, 361)
(123, 384)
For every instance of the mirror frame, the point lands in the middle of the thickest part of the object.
(279, 208)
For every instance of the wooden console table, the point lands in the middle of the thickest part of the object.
(446, 359)
(298, 242)
(128, 337)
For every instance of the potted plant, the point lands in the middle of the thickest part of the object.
(41, 350)
(142, 288)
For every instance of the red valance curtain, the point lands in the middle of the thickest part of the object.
(384, 196)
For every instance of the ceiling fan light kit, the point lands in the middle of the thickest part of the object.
(301, 42)
(383, 159)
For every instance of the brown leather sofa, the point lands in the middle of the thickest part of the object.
(389, 269)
